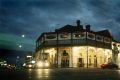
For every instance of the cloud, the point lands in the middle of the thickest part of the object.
(32, 17)
(11, 42)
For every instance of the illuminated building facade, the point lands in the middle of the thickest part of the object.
(75, 46)
(116, 52)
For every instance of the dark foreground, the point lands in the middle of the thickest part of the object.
(60, 74)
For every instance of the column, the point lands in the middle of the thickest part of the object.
(59, 59)
(71, 58)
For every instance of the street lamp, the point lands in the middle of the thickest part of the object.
(20, 46)
(29, 56)
(33, 62)
(23, 35)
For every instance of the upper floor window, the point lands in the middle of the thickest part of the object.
(99, 38)
(50, 36)
(79, 35)
(64, 35)
(118, 45)
(90, 36)
(106, 39)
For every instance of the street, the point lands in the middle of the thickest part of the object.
(60, 74)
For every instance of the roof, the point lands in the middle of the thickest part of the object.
(105, 33)
(69, 28)
(116, 41)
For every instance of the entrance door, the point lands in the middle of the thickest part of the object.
(65, 59)
(80, 62)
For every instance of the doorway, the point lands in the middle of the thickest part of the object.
(65, 59)
(80, 62)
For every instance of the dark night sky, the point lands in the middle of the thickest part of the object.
(32, 17)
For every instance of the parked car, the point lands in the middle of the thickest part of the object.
(109, 66)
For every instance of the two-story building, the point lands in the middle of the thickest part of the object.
(75, 46)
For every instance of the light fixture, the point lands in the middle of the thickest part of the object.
(29, 66)
(29, 56)
(33, 62)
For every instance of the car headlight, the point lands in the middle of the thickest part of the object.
(46, 64)
(29, 66)
(40, 64)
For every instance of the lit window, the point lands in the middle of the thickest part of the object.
(79, 35)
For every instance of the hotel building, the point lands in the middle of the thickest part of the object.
(75, 46)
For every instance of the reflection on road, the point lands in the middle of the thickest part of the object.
(61, 74)
(29, 73)
(42, 73)
(38, 73)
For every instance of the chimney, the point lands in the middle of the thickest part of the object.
(78, 23)
(87, 27)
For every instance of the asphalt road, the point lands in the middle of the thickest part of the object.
(60, 74)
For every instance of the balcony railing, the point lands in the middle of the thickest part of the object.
(70, 42)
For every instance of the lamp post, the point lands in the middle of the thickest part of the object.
(87, 48)
(17, 61)
(57, 51)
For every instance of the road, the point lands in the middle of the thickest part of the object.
(60, 74)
